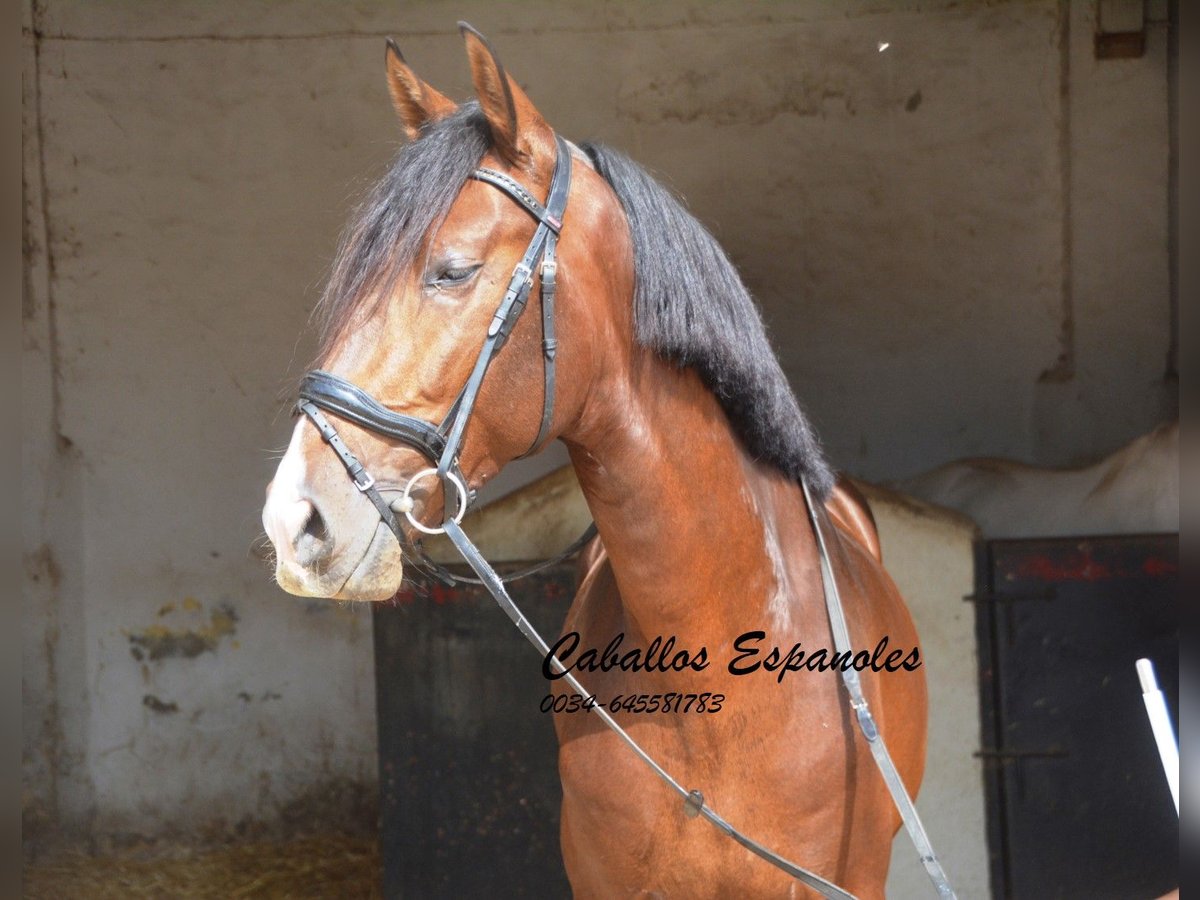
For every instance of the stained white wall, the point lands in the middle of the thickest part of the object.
(959, 242)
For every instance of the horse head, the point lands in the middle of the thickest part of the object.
(409, 304)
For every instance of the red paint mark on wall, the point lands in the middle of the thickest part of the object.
(1157, 567)
(1073, 567)
(1083, 566)
(437, 594)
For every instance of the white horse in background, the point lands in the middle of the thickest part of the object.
(1133, 491)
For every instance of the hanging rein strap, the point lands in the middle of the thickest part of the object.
(866, 722)
(693, 801)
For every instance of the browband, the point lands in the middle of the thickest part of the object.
(517, 191)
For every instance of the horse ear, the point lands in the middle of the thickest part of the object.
(417, 104)
(514, 121)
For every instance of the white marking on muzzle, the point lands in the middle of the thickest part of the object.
(287, 509)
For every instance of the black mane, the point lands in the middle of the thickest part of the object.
(690, 305)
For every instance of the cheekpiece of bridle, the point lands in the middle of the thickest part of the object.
(442, 444)
(322, 392)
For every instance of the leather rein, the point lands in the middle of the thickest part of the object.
(441, 444)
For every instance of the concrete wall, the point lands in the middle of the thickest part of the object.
(960, 244)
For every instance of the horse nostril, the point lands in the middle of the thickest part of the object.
(315, 528)
(313, 541)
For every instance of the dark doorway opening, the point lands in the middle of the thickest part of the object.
(1078, 805)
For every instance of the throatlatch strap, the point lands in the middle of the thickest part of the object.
(866, 722)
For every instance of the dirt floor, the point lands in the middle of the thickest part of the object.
(338, 867)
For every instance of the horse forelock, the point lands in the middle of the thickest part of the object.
(691, 307)
(387, 233)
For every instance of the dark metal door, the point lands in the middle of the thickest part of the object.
(468, 767)
(1077, 802)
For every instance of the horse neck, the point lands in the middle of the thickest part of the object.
(702, 540)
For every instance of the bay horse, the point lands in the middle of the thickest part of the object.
(689, 446)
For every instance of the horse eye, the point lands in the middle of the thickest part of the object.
(453, 274)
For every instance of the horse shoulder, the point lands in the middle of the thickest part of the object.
(852, 514)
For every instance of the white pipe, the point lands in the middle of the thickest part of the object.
(1160, 723)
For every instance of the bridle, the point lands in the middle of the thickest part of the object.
(442, 444)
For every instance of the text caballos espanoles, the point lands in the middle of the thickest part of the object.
(749, 656)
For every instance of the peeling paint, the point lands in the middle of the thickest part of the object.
(154, 704)
(40, 564)
(247, 697)
(162, 642)
(719, 95)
